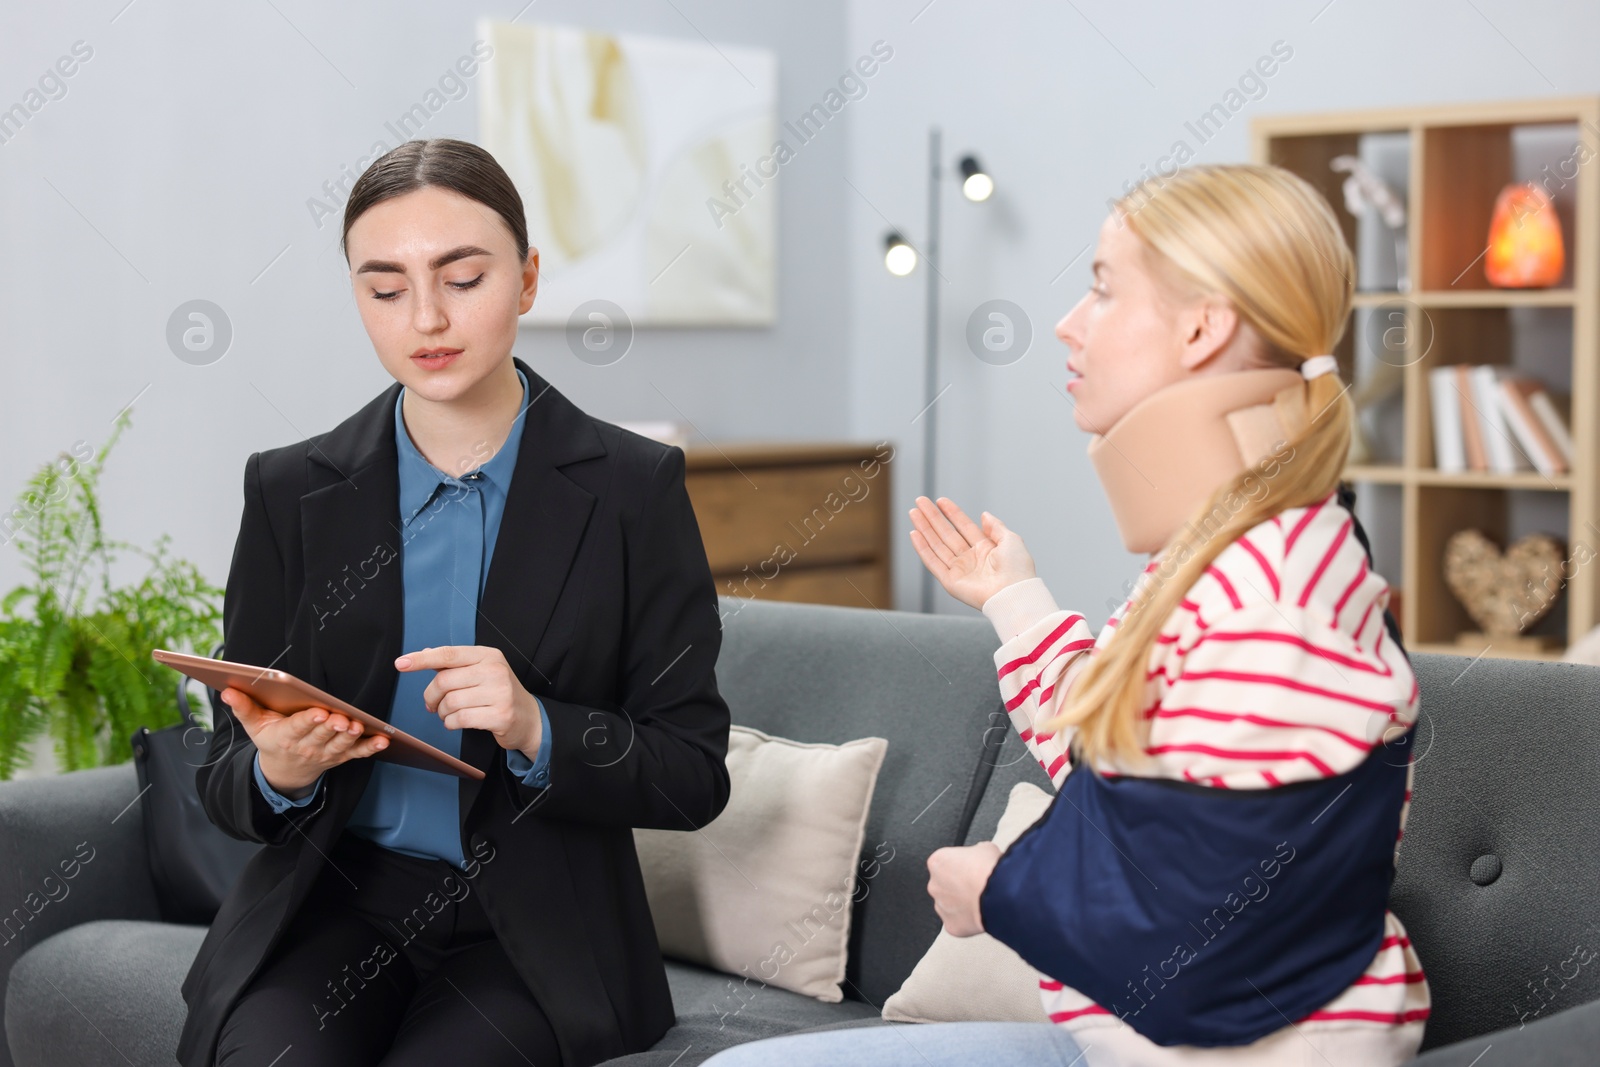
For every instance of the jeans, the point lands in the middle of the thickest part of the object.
(992, 1044)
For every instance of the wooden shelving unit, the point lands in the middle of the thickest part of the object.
(1455, 160)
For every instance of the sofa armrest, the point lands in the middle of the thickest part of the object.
(72, 849)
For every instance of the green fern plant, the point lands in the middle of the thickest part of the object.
(77, 664)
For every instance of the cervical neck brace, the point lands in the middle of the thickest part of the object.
(1171, 450)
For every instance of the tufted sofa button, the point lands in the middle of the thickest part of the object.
(1485, 869)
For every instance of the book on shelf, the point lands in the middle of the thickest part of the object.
(1449, 440)
(1488, 417)
(1505, 457)
(1543, 447)
(1555, 420)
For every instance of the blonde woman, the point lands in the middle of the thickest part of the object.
(1230, 750)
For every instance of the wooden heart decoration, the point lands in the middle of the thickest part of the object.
(1504, 593)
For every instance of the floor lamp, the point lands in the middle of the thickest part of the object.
(900, 258)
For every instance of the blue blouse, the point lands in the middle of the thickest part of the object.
(445, 551)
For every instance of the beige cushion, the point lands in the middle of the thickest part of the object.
(977, 978)
(765, 889)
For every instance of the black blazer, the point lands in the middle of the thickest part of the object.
(601, 598)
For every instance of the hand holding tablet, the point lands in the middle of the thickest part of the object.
(301, 730)
(295, 749)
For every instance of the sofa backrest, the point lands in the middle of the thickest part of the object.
(1499, 874)
(926, 683)
(1006, 761)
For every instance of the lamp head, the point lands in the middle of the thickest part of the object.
(899, 257)
(976, 185)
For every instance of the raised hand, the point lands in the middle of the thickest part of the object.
(972, 562)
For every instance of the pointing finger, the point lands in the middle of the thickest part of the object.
(437, 658)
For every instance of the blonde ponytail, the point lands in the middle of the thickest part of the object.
(1265, 240)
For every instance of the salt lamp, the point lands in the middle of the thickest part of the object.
(1525, 248)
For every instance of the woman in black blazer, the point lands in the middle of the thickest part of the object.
(528, 938)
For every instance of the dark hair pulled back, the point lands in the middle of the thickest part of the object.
(446, 163)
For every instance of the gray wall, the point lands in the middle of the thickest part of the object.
(178, 165)
(179, 161)
(1064, 103)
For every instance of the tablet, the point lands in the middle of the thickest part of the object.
(284, 693)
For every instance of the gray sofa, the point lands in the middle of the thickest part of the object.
(1497, 883)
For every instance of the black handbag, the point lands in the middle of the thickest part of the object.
(192, 862)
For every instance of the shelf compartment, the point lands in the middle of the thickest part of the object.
(1533, 340)
(1373, 354)
(1380, 508)
(1463, 170)
(1380, 263)
(1504, 516)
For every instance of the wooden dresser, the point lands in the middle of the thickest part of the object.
(787, 521)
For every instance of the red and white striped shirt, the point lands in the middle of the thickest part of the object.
(1275, 667)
